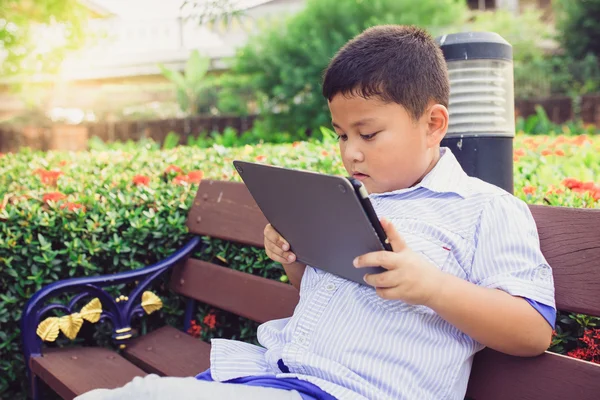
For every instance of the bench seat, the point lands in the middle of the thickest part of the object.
(73, 371)
(549, 376)
(169, 352)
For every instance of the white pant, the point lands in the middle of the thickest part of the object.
(153, 387)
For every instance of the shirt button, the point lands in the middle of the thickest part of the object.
(330, 287)
(543, 273)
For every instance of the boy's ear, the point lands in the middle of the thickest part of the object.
(437, 123)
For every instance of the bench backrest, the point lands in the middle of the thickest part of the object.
(570, 241)
(226, 210)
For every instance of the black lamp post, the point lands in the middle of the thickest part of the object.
(482, 121)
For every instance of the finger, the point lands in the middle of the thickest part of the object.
(385, 259)
(277, 250)
(387, 293)
(288, 256)
(382, 280)
(274, 237)
(397, 242)
(278, 255)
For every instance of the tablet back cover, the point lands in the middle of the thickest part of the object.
(319, 215)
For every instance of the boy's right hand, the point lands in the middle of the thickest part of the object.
(277, 247)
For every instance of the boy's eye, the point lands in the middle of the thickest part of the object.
(342, 137)
(369, 137)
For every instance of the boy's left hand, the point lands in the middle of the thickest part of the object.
(409, 276)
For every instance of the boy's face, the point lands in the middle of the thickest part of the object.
(382, 146)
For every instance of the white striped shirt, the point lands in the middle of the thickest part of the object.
(355, 345)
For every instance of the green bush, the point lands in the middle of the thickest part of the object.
(557, 75)
(578, 27)
(286, 61)
(525, 31)
(540, 124)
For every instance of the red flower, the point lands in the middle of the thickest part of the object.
(581, 140)
(324, 153)
(559, 153)
(192, 177)
(210, 320)
(577, 353)
(519, 152)
(63, 163)
(295, 144)
(73, 206)
(261, 158)
(195, 176)
(195, 329)
(529, 189)
(181, 180)
(572, 183)
(582, 187)
(48, 177)
(546, 152)
(589, 349)
(54, 196)
(173, 168)
(141, 180)
(588, 186)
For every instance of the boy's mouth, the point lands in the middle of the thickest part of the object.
(359, 176)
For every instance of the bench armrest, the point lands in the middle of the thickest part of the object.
(120, 311)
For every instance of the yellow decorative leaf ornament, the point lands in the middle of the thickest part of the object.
(48, 329)
(151, 302)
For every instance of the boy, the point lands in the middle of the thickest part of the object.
(465, 269)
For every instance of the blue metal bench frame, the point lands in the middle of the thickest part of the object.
(119, 313)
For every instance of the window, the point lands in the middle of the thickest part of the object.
(481, 4)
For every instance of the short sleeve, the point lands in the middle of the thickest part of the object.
(507, 252)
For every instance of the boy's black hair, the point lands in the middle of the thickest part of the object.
(400, 64)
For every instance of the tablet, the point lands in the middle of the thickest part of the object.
(327, 220)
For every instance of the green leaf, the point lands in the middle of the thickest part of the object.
(174, 76)
(195, 70)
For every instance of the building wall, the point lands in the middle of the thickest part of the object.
(122, 68)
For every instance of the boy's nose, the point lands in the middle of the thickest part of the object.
(354, 153)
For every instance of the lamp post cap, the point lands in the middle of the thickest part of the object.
(474, 46)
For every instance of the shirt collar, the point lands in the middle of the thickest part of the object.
(447, 176)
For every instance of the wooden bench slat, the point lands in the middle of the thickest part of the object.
(570, 241)
(226, 210)
(169, 352)
(496, 376)
(71, 372)
(246, 295)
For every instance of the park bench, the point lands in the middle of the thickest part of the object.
(570, 240)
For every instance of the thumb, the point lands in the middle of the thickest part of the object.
(398, 244)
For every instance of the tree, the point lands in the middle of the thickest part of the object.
(209, 12)
(579, 27)
(190, 85)
(61, 23)
(525, 31)
(286, 61)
